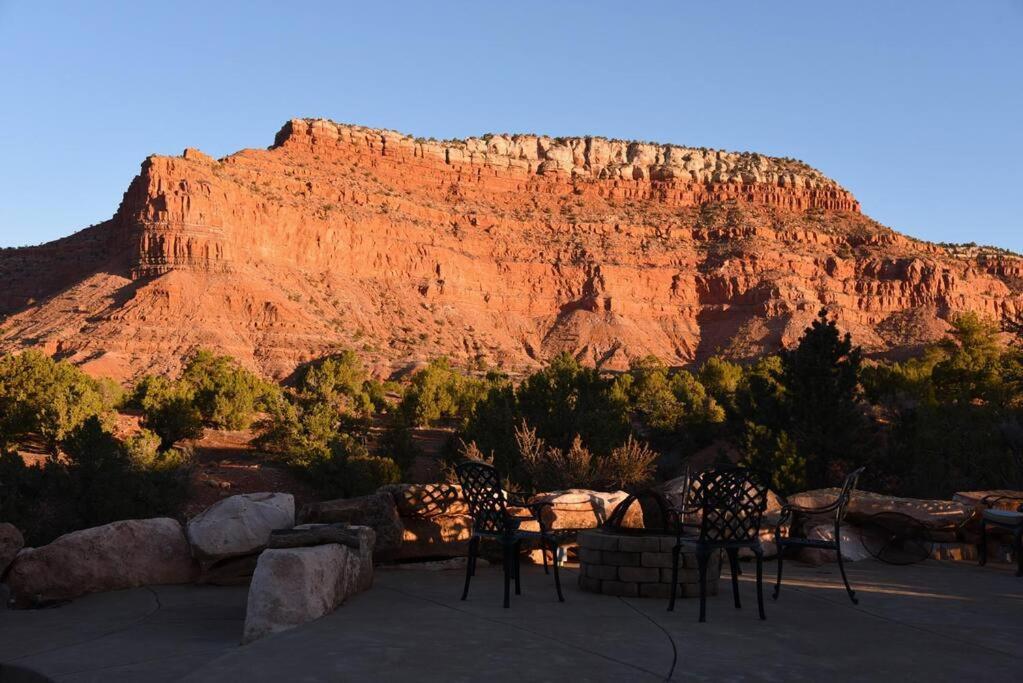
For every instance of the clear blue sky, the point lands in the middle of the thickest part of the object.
(917, 107)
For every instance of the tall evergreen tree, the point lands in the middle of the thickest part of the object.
(821, 379)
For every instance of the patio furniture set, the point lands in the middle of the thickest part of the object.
(721, 511)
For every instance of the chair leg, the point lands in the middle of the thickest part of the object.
(733, 563)
(675, 552)
(760, 584)
(517, 564)
(982, 548)
(506, 547)
(543, 552)
(841, 568)
(1019, 552)
(781, 561)
(470, 563)
(702, 557)
(557, 575)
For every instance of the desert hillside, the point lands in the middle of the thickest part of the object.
(502, 249)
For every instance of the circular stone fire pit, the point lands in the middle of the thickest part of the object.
(632, 563)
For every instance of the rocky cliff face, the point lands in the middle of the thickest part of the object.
(502, 249)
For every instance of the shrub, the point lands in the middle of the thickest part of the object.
(627, 465)
(673, 407)
(956, 415)
(347, 469)
(491, 427)
(366, 473)
(566, 399)
(226, 394)
(39, 395)
(440, 392)
(22, 500)
(332, 399)
(721, 380)
(100, 479)
(342, 382)
(774, 453)
(168, 409)
(298, 431)
(550, 468)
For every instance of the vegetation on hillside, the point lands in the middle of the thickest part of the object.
(950, 419)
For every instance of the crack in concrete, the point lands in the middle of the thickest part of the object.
(119, 629)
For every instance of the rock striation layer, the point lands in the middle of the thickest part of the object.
(505, 249)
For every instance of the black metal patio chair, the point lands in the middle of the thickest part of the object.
(1005, 520)
(731, 503)
(793, 512)
(488, 506)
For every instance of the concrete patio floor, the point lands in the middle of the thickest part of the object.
(935, 621)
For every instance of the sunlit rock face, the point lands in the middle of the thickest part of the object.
(505, 249)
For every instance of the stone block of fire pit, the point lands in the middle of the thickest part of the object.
(638, 565)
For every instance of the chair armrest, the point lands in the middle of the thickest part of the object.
(535, 509)
(676, 516)
(805, 510)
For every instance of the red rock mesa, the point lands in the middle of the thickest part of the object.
(504, 249)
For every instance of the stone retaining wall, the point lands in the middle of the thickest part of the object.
(638, 566)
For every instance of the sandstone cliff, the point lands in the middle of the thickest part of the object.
(502, 249)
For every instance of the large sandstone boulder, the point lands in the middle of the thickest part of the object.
(126, 554)
(435, 536)
(427, 500)
(227, 537)
(853, 549)
(941, 517)
(311, 535)
(294, 585)
(583, 509)
(239, 525)
(11, 541)
(377, 511)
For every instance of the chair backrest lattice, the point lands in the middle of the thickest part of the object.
(481, 486)
(732, 501)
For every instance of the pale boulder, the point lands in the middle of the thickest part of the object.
(323, 534)
(292, 586)
(853, 549)
(125, 554)
(239, 525)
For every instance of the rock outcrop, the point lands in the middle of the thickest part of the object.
(506, 249)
